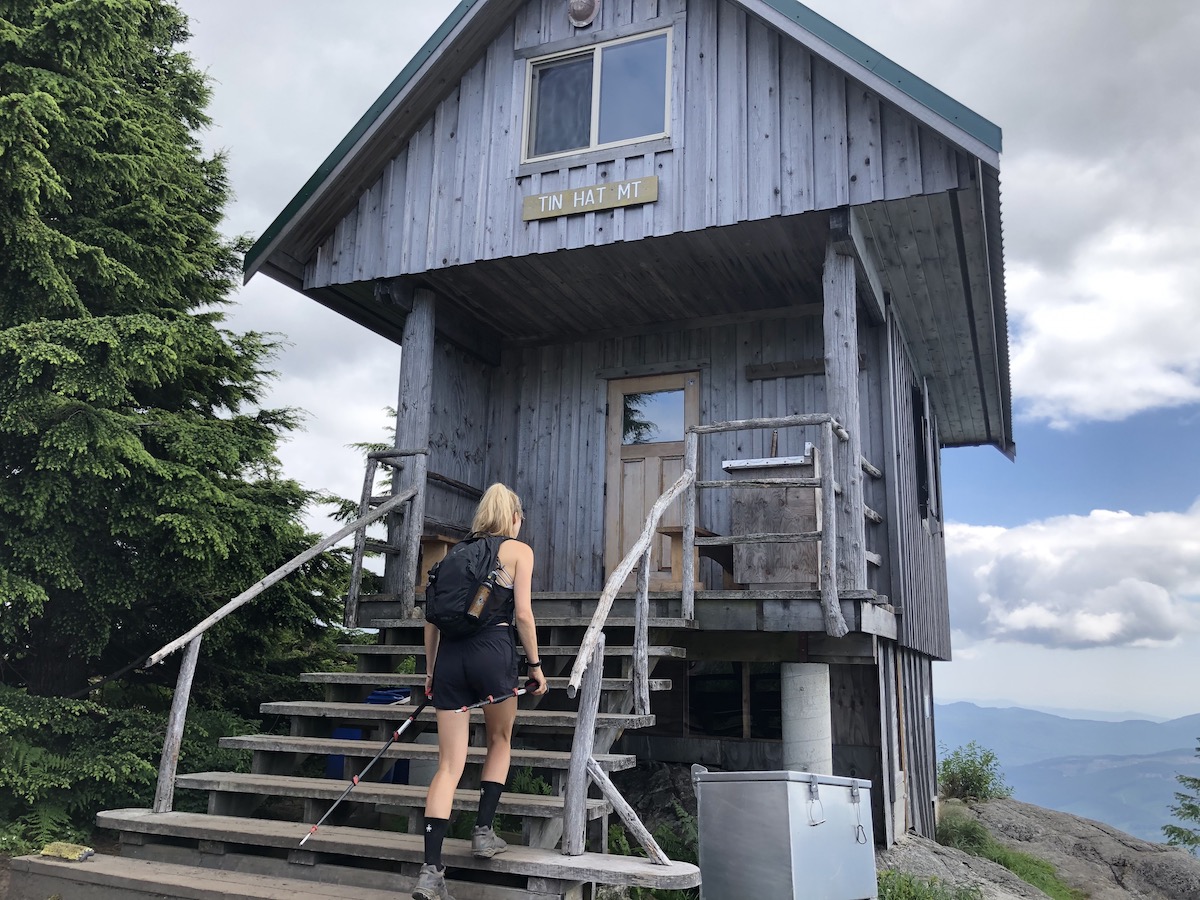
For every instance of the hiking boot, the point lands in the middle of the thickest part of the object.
(485, 844)
(431, 885)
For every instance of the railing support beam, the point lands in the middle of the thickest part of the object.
(575, 801)
(412, 430)
(691, 456)
(841, 393)
(164, 793)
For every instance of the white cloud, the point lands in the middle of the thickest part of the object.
(1105, 579)
(1114, 333)
(1100, 219)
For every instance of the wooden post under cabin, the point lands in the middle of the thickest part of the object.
(841, 396)
(412, 431)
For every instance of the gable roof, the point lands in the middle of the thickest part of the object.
(956, 122)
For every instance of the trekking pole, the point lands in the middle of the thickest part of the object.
(516, 692)
(357, 778)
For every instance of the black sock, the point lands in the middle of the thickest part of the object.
(489, 799)
(435, 833)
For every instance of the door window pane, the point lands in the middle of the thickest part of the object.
(633, 89)
(561, 105)
(653, 417)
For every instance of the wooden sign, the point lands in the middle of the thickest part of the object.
(590, 199)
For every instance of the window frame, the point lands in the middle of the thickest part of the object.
(596, 50)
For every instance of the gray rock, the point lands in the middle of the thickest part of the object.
(1096, 858)
(929, 859)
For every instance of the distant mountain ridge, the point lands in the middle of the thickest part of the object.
(1020, 736)
(1119, 773)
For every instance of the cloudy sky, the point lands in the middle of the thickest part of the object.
(1075, 572)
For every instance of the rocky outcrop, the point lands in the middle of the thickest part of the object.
(1104, 863)
(928, 859)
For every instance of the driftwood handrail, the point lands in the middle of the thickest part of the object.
(639, 549)
(165, 790)
(835, 622)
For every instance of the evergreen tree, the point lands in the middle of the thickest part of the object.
(1186, 809)
(141, 488)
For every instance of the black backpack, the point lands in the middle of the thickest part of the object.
(454, 582)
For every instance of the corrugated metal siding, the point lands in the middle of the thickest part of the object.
(760, 128)
(919, 584)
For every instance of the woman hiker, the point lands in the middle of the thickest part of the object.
(465, 671)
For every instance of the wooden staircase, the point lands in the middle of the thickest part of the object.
(255, 820)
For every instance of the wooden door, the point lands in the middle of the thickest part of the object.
(646, 421)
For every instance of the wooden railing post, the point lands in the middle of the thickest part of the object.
(164, 793)
(842, 398)
(412, 430)
(575, 802)
(690, 463)
(414, 524)
(360, 546)
(835, 623)
(641, 640)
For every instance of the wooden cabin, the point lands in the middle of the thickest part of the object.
(715, 247)
(695, 212)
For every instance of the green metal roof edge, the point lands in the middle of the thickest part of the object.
(844, 42)
(920, 90)
(360, 128)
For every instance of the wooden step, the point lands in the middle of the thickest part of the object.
(117, 877)
(284, 743)
(375, 712)
(417, 682)
(410, 796)
(560, 622)
(340, 841)
(419, 650)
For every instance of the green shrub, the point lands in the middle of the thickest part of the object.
(895, 885)
(962, 832)
(972, 773)
(62, 761)
(680, 842)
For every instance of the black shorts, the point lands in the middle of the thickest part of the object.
(475, 668)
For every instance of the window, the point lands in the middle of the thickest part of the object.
(609, 94)
(652, 417)
(926, 457)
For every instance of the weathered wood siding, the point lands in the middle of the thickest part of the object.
(457, 434)
(915, 673)
(547, 417)
(759, 127)
(917, 549)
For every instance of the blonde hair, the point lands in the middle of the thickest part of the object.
(497, 509)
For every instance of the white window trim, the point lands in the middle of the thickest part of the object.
(596, 50)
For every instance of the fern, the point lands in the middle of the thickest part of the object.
(62, 761)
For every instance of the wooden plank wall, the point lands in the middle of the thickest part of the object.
(547, 416)
(760, 127)
(457, 432)
(917, 549)
(855, 730)
(920, 740)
